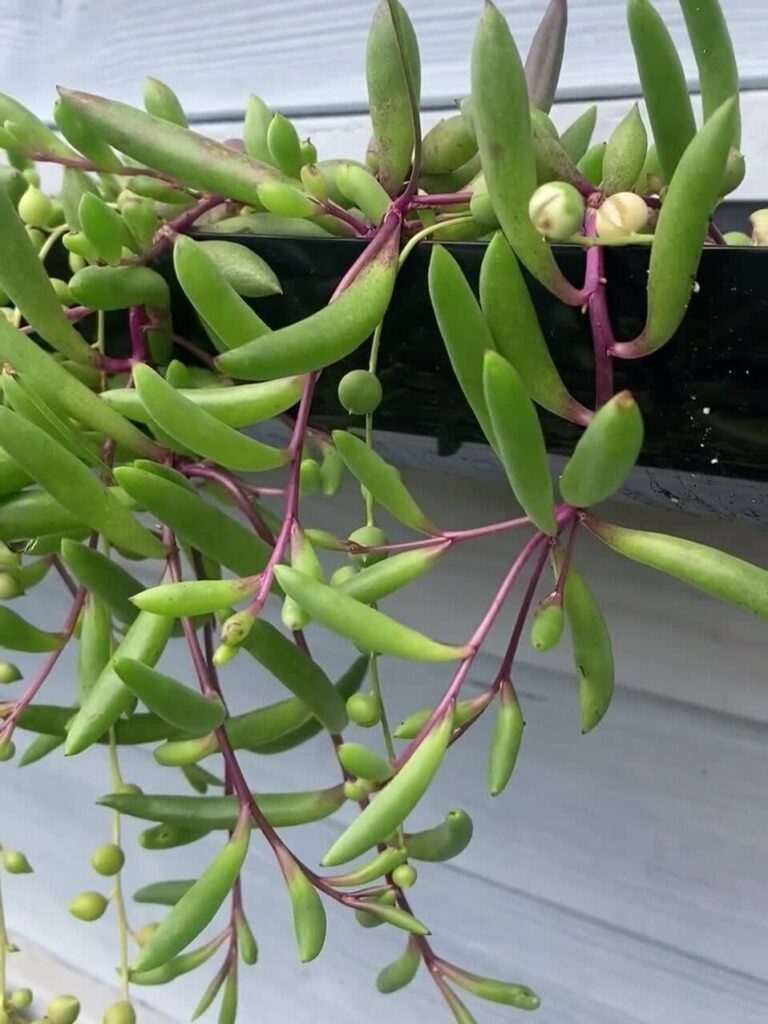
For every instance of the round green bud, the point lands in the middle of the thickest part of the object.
(35, 208)
(9, 673)
(107, 859)
(364, 709)
(621, 214)
(129, 787)
(366, 920)
(547, 626)
(405, 876)
(15, 863)
(342, 574)
(32, 176)
(21, 998)
(76, 262)
(62, 292)
(37, 238)
(63, 1010)
(120, 1013)
(360, 392)
(310, 477)
(145, 933)
(9, 587)
(357, 790)
(369, 537)
(737, 238)
(7, 750)
(88, 906)
(556, 210)
(308, 152)
(57, 217)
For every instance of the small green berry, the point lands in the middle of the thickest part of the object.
(21, 998)
(120, 1013)
(88, 906)
(556, 210)
(223, 654)
(107, 859)
(15, 863)
(369, 537)
(547, 626)
(7, 750)
(35, 208)
(364, 709)
(737, 238)
(405, 876)
(235, 629)
(9, 673)
(130, 787)
(63, 1010)
(360, 392)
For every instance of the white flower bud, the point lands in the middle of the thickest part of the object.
(556, 210)
(621, 214)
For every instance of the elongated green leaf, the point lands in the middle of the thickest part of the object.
(24, 280)
(401, 972)
(394, 803)
(715, 572)
(190, 158)
(69, 482)
(374, 582)
(52, 381)
(194, 597)
(328, 335)
(577, 136)
(110, 697)
(443, 842)
(381, 480)
(104, 578)
(309, 921)
(282, 810)
(366, 627)
(195, 522)
(19, 635)
(502, 121)
(520, 441)
(245, 270)
(545, 56)
(464, 331)
(177, 704)
(196, 429)
(238, 406)
(196, 908)
(715, 59)
(164, 894)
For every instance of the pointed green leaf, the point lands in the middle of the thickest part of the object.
(177, 704)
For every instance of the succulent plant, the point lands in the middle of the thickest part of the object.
(112, 453)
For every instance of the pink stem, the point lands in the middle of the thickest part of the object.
(137, 321)
(361, 229)
(80, 164)
(232, 488)
(34, 687)
(474, 644)
(599, 318)
(440, 199)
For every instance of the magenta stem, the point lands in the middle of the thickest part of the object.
(137, 321)
(193, 349)
(474, 644)
(80, 164)
(359, 227)
(67, 580)
(439, 199)
(34, 687)
(599, 317)
(231, 486)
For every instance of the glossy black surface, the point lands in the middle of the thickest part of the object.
(705, 395)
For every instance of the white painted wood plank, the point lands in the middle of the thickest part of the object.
(299, 53)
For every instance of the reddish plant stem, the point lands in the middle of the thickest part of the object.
(137, 321)
(193, 349)
(67, 580)
(450, 537)
(525, 606)
(37, 683)
(232, 487)
(178, 226)
(359, 227)
(563, 574)
(475, 641)
(600, 321)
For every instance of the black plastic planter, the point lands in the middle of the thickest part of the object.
(704, 394)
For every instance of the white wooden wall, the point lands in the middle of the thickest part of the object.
(624, 874)
(306, 57)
